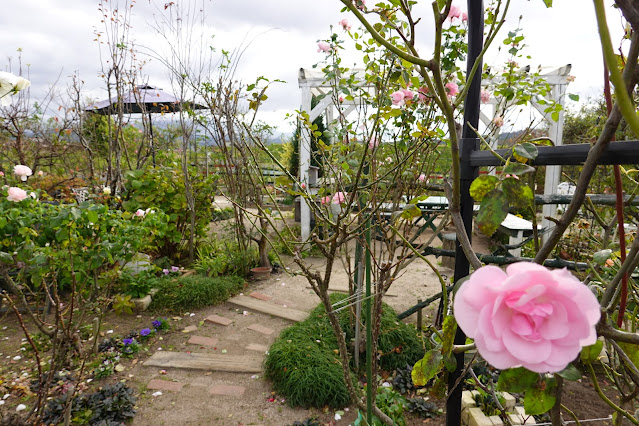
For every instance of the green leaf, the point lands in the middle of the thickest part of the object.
(411, 211)
(3, 222)
(518, 194)
(93, 216)
(482, 186)
(5, 257)
(632, 351)
(601, 256)
(492, 212)
(517, 169)
(136, 184)
(427, 367)
(516, 380)
(573, 97)
(548, 3)
(448, 331)
(538, 401)
(526, 150)
(570, 373)
(450, 363)
(589, 354)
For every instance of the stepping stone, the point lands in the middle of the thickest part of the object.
(211, 362)
(257, 347)
(189, 329)
(261, 329)
(260, 296)
(165, 385)
(269, 308)
(202, 341)
(216, 319)
(227, 390)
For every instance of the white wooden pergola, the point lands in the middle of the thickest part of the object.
(314, 83)
(557, 79)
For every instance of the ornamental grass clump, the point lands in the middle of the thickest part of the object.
(193, 292)
(304, 365)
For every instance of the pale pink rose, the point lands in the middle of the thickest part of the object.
(389, 160)
(528, 316)
(455, 12)
(140, 213)
(326, 200)
(373, 143)
(397, 98)
(464, 17)
(498, 121)
(40, 173)
(339, 198)
(421, 177)
(408, 94)
(16, 194)
(322, 46)
(22, 172)
(453, 88)
(1, 174)
(570, 78)
(484, 96)
(422, 92)
(344, 23)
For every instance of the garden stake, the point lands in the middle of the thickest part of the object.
(369, 329)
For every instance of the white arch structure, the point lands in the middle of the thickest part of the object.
(313, 83)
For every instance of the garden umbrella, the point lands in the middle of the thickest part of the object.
(144, 99)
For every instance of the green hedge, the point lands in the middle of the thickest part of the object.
(193, 292)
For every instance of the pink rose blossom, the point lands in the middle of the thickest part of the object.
(421, 177)
(339, 198)
(344, 23)
(453, 88)
(398, 98)
(22, 172)
(570, 78)
(1, 174)
(484, 96)
(322, 46)
(373, 143)
(408, 94)
(498, 121)
(455, 12)
(140, 213)
(464, 17)
(40, 173)
(16, 194)
(422, 92)
(528, 315)
(326, 200)
(303, 185)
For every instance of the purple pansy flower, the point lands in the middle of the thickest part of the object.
(145, 332)
(174, 269)
(127, 342)
(157, 323)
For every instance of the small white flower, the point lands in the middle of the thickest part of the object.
(21, 407)
(106, 190)
(109, 332)
(386, 385)
(191, 315)
(337, 417)
(158, 393)
(17, 358)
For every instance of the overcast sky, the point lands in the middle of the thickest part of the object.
(56, 39)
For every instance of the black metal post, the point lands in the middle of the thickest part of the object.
(469, 143)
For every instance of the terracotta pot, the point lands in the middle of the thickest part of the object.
(261, 273)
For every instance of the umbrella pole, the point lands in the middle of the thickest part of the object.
(151, 133)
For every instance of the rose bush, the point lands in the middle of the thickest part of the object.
(527, 316)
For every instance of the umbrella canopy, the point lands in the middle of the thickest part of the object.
(142, 100)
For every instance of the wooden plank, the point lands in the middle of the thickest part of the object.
(212, 362)
(268, 308)
(341, 288)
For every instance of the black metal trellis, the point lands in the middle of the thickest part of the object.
(470, 161)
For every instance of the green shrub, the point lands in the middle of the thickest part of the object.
(303, 364)
(193, 292)
(225, 258)
(221, 214)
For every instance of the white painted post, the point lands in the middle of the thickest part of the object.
(553, 173)
(305, 163)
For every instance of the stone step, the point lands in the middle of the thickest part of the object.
(269, 308)
(212, 362)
